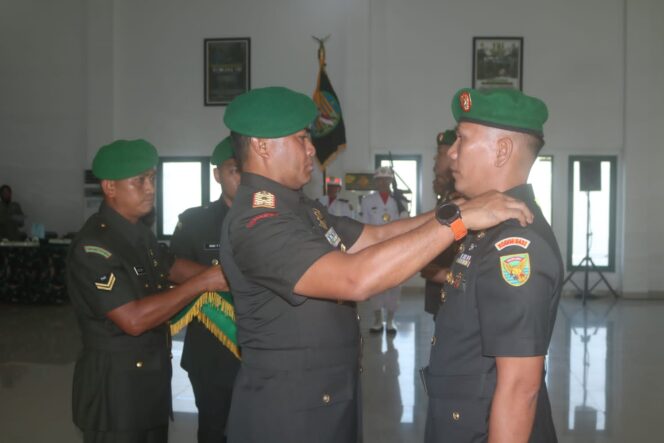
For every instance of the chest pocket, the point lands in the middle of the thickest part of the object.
(458, 301)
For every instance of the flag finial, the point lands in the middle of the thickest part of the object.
(321, 48)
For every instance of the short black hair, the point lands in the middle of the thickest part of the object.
(535, 143)
(241, 147)
(7, 187)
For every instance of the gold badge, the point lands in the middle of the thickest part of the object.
(465, 101)
(105, 282)
(481, 235)
(386, 217)
(320, 219)
(264, 199)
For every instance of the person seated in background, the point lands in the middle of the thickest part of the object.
(11, 216)
(335, 205)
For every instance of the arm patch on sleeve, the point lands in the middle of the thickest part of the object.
(105, 282)
(89, 249)
(515, 268)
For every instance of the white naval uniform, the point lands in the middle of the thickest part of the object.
(375, 212)
(339, 207)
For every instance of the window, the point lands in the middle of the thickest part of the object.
(541, 178)
(592, 211)
(408, 171)
(183, 184)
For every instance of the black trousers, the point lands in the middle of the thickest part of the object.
(213, 400)
(156, 435)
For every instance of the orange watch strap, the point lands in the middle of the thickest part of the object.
(458, 229)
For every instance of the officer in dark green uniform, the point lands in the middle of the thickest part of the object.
(296, 271)
(118, 281)
(211, 365)
(443, 185)
(485, 378)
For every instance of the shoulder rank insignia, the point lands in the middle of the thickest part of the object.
(105, 282)
(512, 241)
(97, 250)
(515, 268)
(332, 237)
(264, 199)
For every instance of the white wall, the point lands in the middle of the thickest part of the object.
(42, 103)
(394, 65)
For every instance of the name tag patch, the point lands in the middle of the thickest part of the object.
(139, 270)
(512, 241)
(211, 246)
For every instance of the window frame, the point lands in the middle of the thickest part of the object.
(418, 161)
(613, 199)
(205, 186)
(553, 211)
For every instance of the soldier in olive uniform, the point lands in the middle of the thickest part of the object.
(118, 281)
(211, 366)
(443, 186)
(485, 377)
(296, 272)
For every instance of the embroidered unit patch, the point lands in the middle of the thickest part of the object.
(97, 250)
(264, 199)
(512, 241)
(105, 282)
(515, 268)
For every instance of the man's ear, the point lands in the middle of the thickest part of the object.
(504, 150)
(108, 187)
(217, 174)
(259, 147)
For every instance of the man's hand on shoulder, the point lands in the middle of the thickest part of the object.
(491, 208)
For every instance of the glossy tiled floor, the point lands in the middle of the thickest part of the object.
(604, 375)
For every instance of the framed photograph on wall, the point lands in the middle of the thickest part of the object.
(498, 62)
(227, 69)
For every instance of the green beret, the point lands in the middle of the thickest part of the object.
(271, 112)
(123, 159)
(446, 138)
(501, 108)
(222, 152)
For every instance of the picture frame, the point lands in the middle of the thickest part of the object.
(498, 62)
(227, 69)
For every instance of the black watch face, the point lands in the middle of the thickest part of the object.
(446, 213)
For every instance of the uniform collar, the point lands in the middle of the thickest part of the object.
(133, 232)
(261, 183)
(522, 192)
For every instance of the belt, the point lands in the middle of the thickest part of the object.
(153, 339)
(304, 358)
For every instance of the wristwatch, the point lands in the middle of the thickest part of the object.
(449, 214)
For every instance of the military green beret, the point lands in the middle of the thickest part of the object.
(501, 108)
(222, 152)
(123, 159)
(271, 112)
(446, 138)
